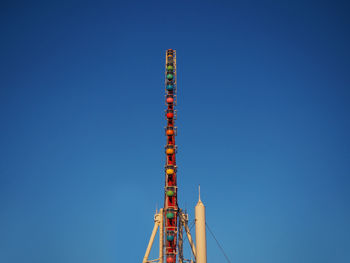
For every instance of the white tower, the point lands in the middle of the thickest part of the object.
(201, 242)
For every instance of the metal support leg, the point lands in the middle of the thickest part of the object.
(158, 222)
(161, 236)
(184, 219)
(180, 241)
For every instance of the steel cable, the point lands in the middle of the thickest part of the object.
(217, 242)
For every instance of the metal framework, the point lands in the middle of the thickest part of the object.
(170, 195)
(171, 220)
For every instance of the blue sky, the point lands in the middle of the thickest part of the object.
(263, 127)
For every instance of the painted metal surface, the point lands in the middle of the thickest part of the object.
(170, 196)
(158, 223)
(171, 220)
(201, 241)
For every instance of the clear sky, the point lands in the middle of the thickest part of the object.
(263, 127)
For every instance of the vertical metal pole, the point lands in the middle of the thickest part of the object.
(161, 236)
(180, 237)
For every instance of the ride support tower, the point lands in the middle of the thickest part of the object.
(171, 209)
(172, 221)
